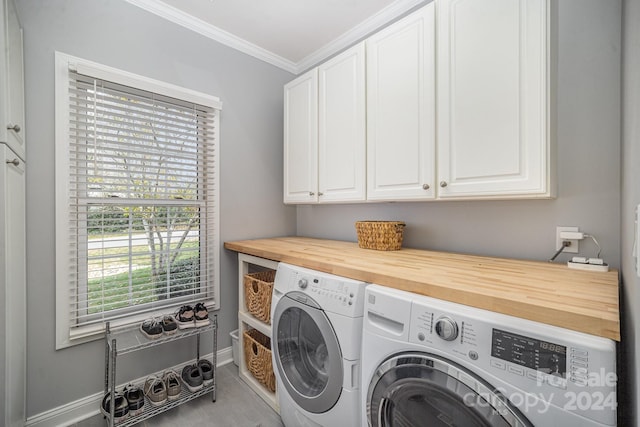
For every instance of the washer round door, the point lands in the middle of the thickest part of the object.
(421, 389)
(307, 353)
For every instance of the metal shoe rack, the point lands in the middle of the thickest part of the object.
(130, 339)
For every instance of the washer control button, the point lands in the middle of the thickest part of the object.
(579, 371)
(498, 364)
(447, 328)
(302, 283)
(533, 375)
(579, 363)
(473, 355)
(583, 359)
(515, 370)
(578, 352)
(556, 381)
(421, 336)
(579, 381)
(577, 376)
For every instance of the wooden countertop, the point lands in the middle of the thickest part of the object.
(541, 291)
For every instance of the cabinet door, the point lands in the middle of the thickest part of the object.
(400, 109)
(13, 287)
(13, 123)
(492, 98)
(301, 139)
(342, 136)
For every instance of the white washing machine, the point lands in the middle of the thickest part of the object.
(316, 339)
(427, 362)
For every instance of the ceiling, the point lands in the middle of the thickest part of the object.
(291, 34)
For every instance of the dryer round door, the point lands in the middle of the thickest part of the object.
(307, 353)
(421, 389)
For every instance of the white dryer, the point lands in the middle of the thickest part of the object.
(316, 341)
(428, 362)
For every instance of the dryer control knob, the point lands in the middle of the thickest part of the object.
(302, 283)
(447, 328)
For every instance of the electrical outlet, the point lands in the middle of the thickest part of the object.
(573, 247)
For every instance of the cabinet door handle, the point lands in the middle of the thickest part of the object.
(311, 193)
(320, 193)
(443, 184)
(425, 186)
(15, 128)
(14, 162)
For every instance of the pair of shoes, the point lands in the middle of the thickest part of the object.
(207, 371)
(198, 375)
(133, 394)
(169, 324)
(171, 380)
(192, 317)
(202, 315)
(192, 377)
(156, 390)
(129, 403)
(160, 390)
(154, 328)
(121, 411)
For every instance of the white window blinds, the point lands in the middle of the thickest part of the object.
(140, 202)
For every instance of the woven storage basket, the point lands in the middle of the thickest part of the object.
(257, 356)
(380, 235)
(258, 288)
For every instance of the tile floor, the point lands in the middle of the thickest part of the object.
(236, 405)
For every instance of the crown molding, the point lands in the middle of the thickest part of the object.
(367, 27)
(386, 15)
(179, 17)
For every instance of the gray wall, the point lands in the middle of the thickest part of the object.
(630, 392)
(588, 170)
(120, 35)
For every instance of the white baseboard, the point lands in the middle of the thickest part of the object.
(89, 406)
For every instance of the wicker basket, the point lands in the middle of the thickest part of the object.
(380, 235)
(258, 288)
(257, 356)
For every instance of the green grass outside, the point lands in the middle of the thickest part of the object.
(112, 292)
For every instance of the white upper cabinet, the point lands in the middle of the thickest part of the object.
(493, 138)
(12, 81)
(451, 101)
(342, 128)
(301, 139)
(401, 109)
(324, 132)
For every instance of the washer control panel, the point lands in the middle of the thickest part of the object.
(538, 359)
(518, 350)
(333, 293)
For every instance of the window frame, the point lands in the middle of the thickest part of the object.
(63, 63)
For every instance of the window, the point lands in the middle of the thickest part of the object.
(136, 198)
